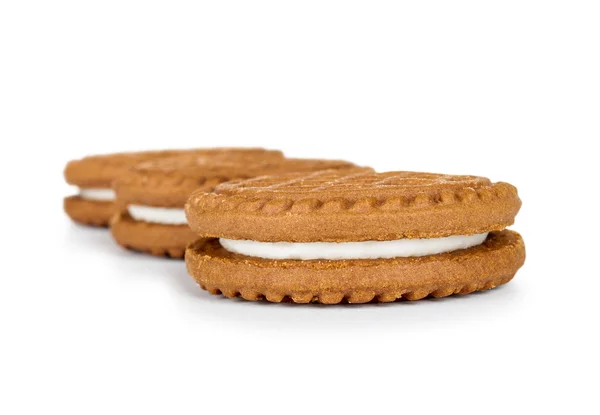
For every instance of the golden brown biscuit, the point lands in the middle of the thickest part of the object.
(94, 176)
(364, 206)
(155, 193)
(413, 234)
(89, 212)
(485, 266)
(152, 238)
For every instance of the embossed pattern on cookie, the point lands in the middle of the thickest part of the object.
(151, 196)
(354, 236)
(353, 206)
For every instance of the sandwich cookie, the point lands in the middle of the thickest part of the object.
(332, 237)
(95, 202)
(152, 195)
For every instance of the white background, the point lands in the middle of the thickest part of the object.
(509, 90)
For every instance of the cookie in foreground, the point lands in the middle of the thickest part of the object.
(151, 196)
(95, 202)
(330, 237)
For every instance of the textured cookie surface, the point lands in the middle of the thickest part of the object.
(356, 281)
(99, 171)
(169, 182)
(89, 212)
(334, 206)
(152, 238)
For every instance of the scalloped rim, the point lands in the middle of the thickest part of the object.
(437, 214)
(330, 282)
(173, 253)
(357, 297)
(200, 202)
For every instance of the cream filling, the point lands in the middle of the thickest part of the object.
(165, 216)
(97, 194)
(352, 250)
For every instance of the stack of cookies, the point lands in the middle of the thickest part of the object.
(94, 176)
(254, 224)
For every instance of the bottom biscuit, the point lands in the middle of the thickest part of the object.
(153, 238)
(483, 267)
(89, 212)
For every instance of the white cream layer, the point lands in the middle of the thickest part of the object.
(352, 250)
(165, 216)
(97, 194)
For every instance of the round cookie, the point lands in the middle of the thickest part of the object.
(327, 206)
(151, 196)
(293, 237)
(89, 212)
(356, 281)
(94, 205)
(153, 238)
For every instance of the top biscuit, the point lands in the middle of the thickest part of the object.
(169, 182)
(352, 206)
(100, 171)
